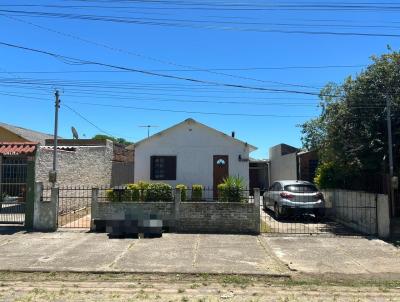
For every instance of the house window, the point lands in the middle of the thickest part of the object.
(163, 168)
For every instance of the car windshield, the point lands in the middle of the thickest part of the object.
(299, 188)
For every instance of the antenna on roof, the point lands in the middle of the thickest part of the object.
(74, 133)
(148, 128)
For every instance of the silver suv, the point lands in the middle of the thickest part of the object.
(287, 196)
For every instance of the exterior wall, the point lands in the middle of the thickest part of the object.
(259, 175)
(218, 217)
(86, 166)
(355, 209)
(282, 167)
(194, 147)
(8, 136)
(304, 159)
(186, 217)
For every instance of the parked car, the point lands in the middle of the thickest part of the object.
(287, 196)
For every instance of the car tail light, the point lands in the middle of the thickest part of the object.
(287, 195)
(319, 196)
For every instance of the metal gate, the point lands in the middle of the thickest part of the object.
(345, 213)
(74, 207)
(13, 188)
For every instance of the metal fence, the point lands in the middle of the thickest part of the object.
(74, 204)
(291, 211)
(13, 188)
(203, 194)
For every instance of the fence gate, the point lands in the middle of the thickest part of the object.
(346, 213)
(74, 207)
(13, 188)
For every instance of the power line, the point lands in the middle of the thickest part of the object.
(195, 24)
(152, 58)
(84, 118)
(74, 61)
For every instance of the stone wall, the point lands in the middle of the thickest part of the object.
(354, 209)
(78, 166)
(185, 217)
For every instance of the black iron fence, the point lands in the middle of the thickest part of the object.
(13, 189)
(74, 204)
(304, 210)
(167, 194)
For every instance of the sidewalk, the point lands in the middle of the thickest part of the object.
(342, 256)
(173, 253)
(192, 253)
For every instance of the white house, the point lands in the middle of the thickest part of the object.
(191, 153)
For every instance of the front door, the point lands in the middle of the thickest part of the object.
(221, 171)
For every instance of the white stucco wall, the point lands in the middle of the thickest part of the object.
(283, 167)
(194, 147)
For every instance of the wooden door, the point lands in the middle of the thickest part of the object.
(220, 171)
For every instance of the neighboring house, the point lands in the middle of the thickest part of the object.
(289, 163)
(191, 153)
(259, 175)
(80, 162)
(10, 133)
(86, 162)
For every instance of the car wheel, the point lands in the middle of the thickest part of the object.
(278, 211)
(319, 213)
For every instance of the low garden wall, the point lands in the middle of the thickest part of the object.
(184, 217)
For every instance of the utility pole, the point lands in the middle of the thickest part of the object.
(148, 128)
(390, 151)
(53, 173)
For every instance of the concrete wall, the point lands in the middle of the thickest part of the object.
(186, 217)
(282, 167)
(194, 146)
(86, 166)
(355, 209)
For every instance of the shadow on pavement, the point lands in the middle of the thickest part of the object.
(11, 229)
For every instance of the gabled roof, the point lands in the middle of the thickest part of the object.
(192, 121)
(27, 134)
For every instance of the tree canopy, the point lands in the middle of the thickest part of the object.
(351, 132)
(114, 139)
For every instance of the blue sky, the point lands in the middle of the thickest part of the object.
(205, 39)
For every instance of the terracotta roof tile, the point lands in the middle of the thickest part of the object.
(10, 148)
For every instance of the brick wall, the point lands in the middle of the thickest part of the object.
(218, 217)
(187, 217)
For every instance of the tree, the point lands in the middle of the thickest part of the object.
(114, 139)
(351, 133)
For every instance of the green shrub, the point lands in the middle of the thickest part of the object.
(159, 192)
(143, 186)
(197, 192)
(134, 192)
(231, 190)
(110, 196)
(329, 176)
(183, 189)
(118, 195)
